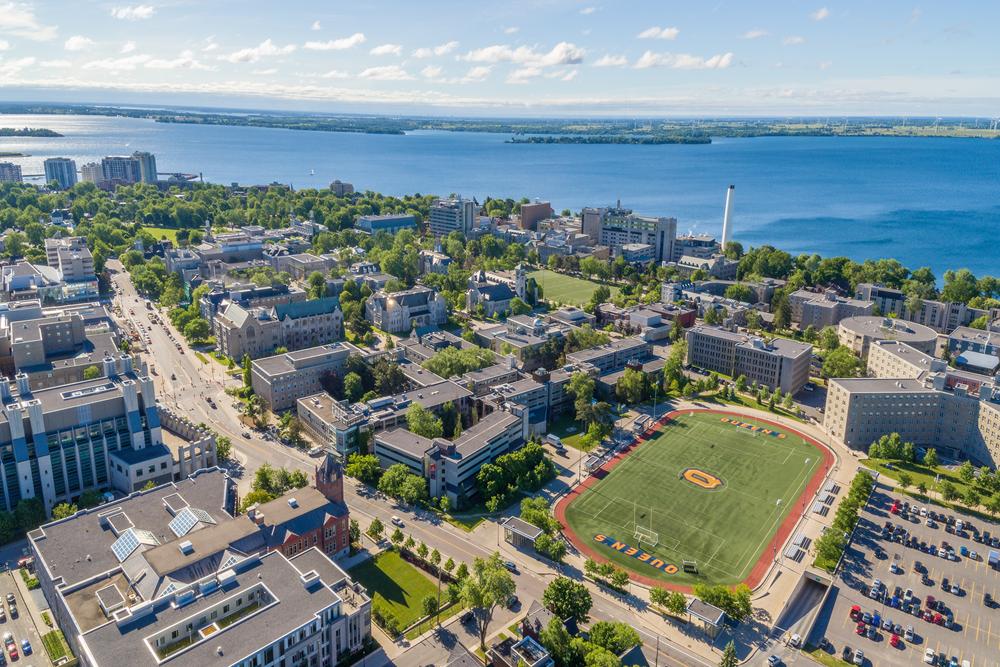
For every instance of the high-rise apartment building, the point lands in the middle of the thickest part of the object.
(452, 215)
(120, 169)
(61, 170)
(10, 172)
(92, 172)
(147, 166)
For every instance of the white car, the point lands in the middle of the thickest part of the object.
(930, 657)
(795, 641)
(396, 521)
(859, 657)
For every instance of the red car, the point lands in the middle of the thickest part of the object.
(894, 641)
(939, 619)
(860, 630)
(855, 613)
(895, 508)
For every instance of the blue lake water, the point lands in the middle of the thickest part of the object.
(927, 202)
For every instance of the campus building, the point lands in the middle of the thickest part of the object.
(170, 573)
(57, 442)
(777, 364)
(612, 356)
(390, 223)
(956, 412)
(54, 346)
(294, 326)
(617, 227)
(824, 309)
(452, 215)
(336, 425)
(282, 379)
(400, 312)
(450, 467)
(858, 333)
(942, 316)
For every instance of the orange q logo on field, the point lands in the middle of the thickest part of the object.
(701, 478)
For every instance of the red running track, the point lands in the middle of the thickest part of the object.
(763, 563)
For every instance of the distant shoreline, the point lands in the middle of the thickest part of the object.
(537, 131)
(28, 132)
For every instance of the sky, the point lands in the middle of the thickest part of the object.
(513, 58)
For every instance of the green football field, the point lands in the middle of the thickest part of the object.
(566, 289)
(744, 485)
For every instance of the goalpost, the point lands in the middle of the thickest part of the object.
(641, 533)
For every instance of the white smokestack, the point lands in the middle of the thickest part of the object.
(727, 216)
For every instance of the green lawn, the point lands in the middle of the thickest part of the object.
(394, 585)
(726, 528)
(56, 646)
(163, 232)
(566, 289)
(569, 431)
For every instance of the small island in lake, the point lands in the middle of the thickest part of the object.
(28, 132)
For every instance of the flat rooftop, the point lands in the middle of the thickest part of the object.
(401, 440)
(288, 604)
(79, 547)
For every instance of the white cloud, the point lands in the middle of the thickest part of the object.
(588, 10)
(4, 45)
(78, 43)
(524, 74)
(431, 72)
(793, 40)
(210, 45)
(826, 64)
(386, 73)
(477, 73)
(316, 26)
(335, 74)
(683, 61)
(265, 72)
(756, 33)
(133, 13)
(19, 19)
(439, 50)
(186, 60)
(570, 75)
(387, 50)
(12, 67)
(56, 64)
(265, 49)
(341, 44)
(657, 32)
(820, 14)
(510, 30)
(608, 60)
(128, 47)
(563, 53)
(125, 64)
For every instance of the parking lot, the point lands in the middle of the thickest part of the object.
(958, 626)
(20, 627)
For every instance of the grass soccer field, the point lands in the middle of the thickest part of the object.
(702, 489)
(566, 289)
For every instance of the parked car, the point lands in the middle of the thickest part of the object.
(859, 657)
